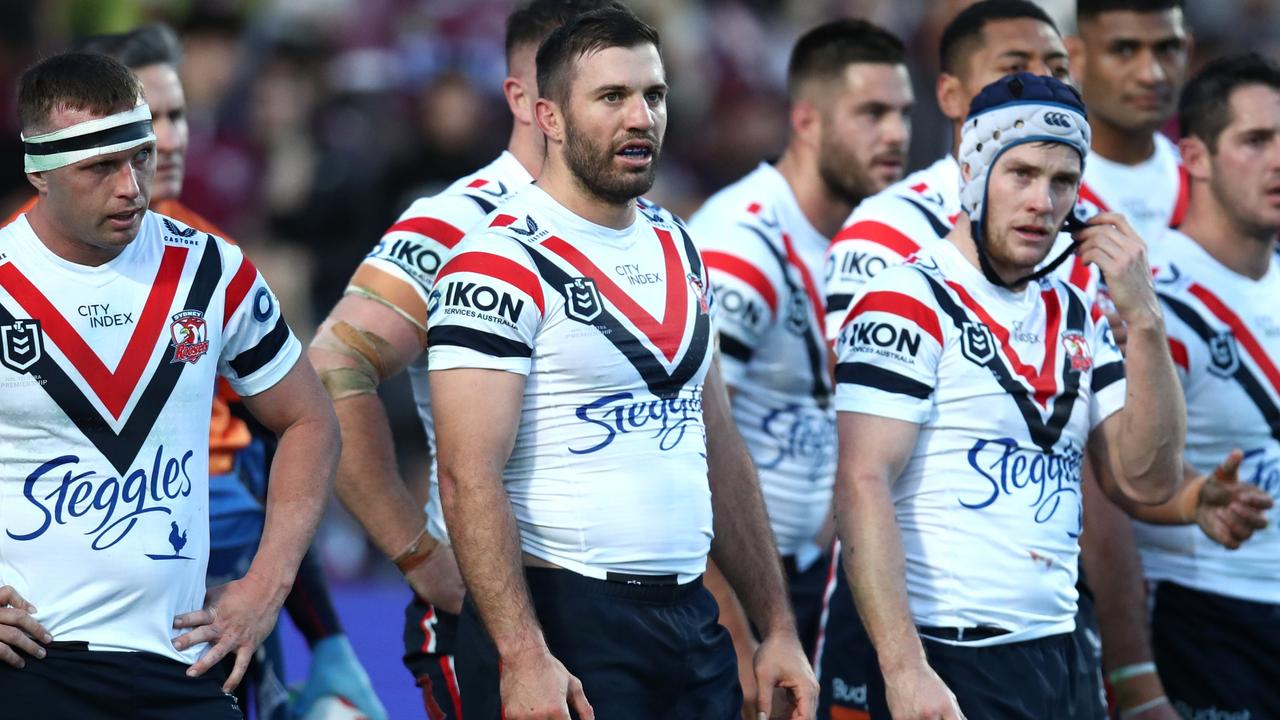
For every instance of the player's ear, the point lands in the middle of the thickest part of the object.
(953, 101)
(549, 119)
(806, 122)
(964, 170)
(1076, 59)
(1196, 158)
(519, 100)
(39, 182)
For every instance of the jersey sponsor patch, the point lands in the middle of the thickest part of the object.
(411, 251)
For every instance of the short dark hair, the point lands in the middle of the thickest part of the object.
(78, 81)
(1087, 9)
(826, 50)
(532, 23)
(586, 34)
(1204, 110)
(155, 44)
(964, 31)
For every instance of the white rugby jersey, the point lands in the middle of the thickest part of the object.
(613, 330)
(1152, 194)
(1224, 335)
(765, 262)
(1006, 388)
(414, 248)
(899, 221)
(107, 375)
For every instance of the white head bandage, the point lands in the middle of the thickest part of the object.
(1044, 110)
(100, 136)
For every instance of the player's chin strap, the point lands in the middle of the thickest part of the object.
(1072, 224)
(84, 140)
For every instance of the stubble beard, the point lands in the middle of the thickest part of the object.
(592, 165)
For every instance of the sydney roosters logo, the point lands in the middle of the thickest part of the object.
(1077, 350)
(700, 292)
(190, 336)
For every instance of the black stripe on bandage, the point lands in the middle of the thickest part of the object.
(102, 138)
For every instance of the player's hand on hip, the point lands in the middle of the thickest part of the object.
(536, 686)
(236, 618)
(438, 580)
(919, 694)
(1229, 511)
(19, 629)
(780, 664)
(1112, 244)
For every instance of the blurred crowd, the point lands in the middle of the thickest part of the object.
(314, 123)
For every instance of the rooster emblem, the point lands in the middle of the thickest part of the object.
(178, 539)
(190, 336)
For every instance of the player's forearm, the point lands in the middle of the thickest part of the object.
(486, 542)
(301, 476)
(871, 546)
(1109, 554)
(743, 549)
(369, 482)
(1179, 509)
(745, 552)
(732, 616)
(1154, 418)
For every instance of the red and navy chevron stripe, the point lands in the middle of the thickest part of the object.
(115, 389)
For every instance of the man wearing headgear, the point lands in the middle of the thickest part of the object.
(106, 463)
(968, 384)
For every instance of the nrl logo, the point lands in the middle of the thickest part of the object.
(976, 343)
(1224, 356)
(21, 345)
(190, 336)
(582, 300)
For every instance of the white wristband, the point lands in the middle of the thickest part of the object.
(1128, 672)
(1137, 710)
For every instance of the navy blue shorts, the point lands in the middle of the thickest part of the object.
(1218, 657)
(78, 684)
(1051, 677)
(641, 651)
(852, 687)
(429, 638)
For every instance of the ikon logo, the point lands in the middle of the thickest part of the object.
(583, 300)
(21, 345)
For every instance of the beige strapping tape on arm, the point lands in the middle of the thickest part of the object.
(366, 349)
(371, 295)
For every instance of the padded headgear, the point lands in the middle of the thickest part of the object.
(1014, 110)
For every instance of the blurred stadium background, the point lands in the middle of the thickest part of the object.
(315, 122)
